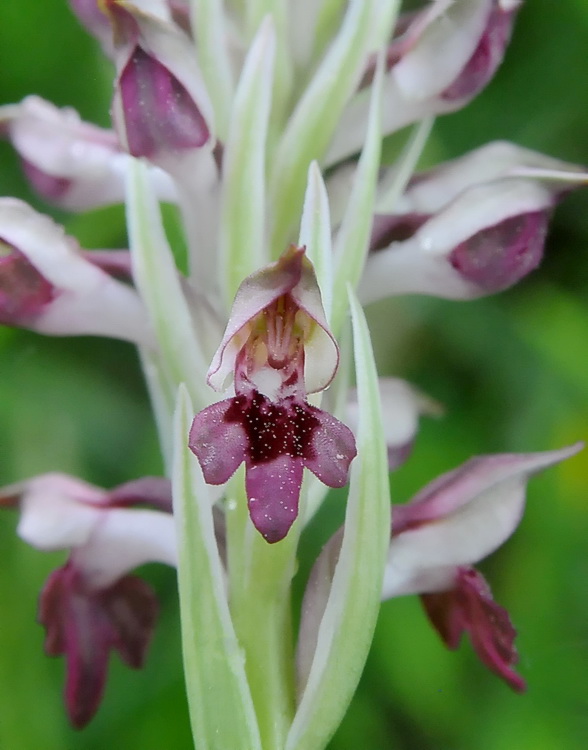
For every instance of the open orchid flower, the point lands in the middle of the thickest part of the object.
(402, 405)
(454, 522)
(91, 605)
(279, 348)
(473, 228)
(71, 163)
(48, 286)
(438, 60)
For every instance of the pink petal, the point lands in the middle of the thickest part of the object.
(486, 58)
(218, 439)
(159, 113)
(333, 449)
(497, 257)
(24, 292)
(469, 607)
(273, 489)
(451, 491)
(86, 625)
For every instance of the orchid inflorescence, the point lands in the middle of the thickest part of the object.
(263, 123)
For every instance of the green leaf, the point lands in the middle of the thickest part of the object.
(392, 188)
(315, 233)
(314, 120)
(211, 32)
(158, 282)
(221, 708)
(352, 242)
(243, 248)
(348, 623)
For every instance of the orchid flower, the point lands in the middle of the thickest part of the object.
(70, 163)
(278, 344)
(46, 284)
(454, 522)
(263, 122)
(91, 605)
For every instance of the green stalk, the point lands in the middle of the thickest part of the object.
(260, 575)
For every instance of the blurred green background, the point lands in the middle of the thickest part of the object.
(512, 372)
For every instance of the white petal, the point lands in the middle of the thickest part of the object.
(464, 516)
(124, 539)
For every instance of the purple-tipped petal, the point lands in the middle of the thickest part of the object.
(161, 107)
(85, 625)
(159, 112)
(51, 188)
(459, 519)
(486, 58)
(273, 490)
(469, 607)
(484, 240)
(152, 491)
(80, 298)
(24, 292)
(497, 257)
(218, 439)
(333, 449)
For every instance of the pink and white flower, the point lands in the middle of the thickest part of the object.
(278, 346)
(90, 605)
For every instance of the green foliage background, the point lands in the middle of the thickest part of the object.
(512, 372)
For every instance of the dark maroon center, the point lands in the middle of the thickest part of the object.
(274, 429)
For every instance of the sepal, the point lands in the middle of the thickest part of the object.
(48, 286)
(68, 162)
(85, 625)
(160, 104)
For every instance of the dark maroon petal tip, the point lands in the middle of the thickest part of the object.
(24, 292)
(469, 607)
(160, 115)
(485, 59)
(497, 257)
(85, 625)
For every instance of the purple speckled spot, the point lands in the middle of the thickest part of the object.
(24, 292)
(276, 440)
(485, 59)
(274, 429)
(46, 185)
(159, 113)
(497, 257)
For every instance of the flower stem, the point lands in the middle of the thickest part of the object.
(259, 591)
